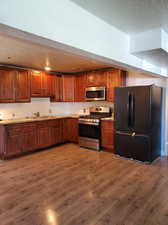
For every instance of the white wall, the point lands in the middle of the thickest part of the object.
(66, 22)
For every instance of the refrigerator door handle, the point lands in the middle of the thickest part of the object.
(132, 110)
(129, 109)
(124, 133)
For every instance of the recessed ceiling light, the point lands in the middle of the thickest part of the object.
(47, 68)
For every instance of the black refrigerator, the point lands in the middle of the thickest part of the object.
(137, 115)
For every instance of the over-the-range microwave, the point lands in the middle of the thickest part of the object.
(95, 93)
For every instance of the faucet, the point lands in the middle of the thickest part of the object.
(37, 114)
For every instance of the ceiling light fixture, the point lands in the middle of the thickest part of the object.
(47, 68)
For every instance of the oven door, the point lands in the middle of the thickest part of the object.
(89, 136)
(89, 130)
(95, 93)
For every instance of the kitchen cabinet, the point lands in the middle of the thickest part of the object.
(46, 84)
(24, 137)
(96, 78)
(49, 133)
(14, 86)
(68, 88)
(56, 131)
(80, 85)
(70, 130)
(115, 78)
(40, 84)
(7, 85)
(36, 84)
(43, 134)
(107, 134)
(20, 138)
(22, 86)
(56, 88)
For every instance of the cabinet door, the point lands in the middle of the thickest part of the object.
(36, 84)
(96, 78)
(68, 86)
(71, 131)
(80, 85)
(14, 140)
(107, 134)
(46, 84)
(29, 136)
(43, 135)
(56, 90)
(7, 82)
(14, 145)
(22, 86)
(115, 78)
(56, 131)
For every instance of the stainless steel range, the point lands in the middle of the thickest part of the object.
(89, 127)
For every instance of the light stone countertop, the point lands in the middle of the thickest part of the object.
(43, 118)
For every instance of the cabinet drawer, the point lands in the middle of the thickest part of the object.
(18, 129)
(107, 125)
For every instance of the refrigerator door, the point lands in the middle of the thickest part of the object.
(141, 109)
(133, 109)
(135, 146)
(122, 111)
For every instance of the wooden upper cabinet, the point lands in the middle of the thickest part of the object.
(68, 88)
(80, 85)
(22, 86)
(40, 84)
(96, 78)
(56, 91)
(46, 84)
(7, 85)
(36, 78)
(115, 78)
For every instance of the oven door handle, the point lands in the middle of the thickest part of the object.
(88, 123)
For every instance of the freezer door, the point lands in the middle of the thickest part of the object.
(122, 109)
(135, 146)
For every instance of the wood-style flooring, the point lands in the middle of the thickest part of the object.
(68, 185)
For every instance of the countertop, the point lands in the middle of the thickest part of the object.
(43, 118)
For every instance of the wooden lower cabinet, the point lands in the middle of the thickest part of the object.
(24, 137)
(107, 134)
(70, 130)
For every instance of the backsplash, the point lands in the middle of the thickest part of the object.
(45, 107)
